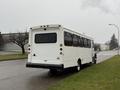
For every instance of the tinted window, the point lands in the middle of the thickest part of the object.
(80, 41)
(89, 43)
(46, 38)
(68, 41)
(85, 42)
(75, 40)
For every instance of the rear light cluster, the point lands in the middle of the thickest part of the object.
(61, 53)
(29, 49)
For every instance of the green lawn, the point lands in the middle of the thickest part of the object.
(12, 57)
(103, 76)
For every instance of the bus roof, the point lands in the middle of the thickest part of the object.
(83, 35)
(46, 26)
(58, 26)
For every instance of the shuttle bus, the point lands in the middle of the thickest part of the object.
(56, 48)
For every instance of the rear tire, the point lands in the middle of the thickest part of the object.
(78, 68)
(53, 71)
(94, 60)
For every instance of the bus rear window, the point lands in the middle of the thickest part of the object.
(46, 38)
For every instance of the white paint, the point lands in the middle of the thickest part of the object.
(48, 53)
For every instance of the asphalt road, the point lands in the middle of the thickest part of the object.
(15, 76)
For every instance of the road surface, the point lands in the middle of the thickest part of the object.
(15, 76)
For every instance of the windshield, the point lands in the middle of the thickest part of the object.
(46, 38)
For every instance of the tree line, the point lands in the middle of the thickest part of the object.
(113, 44)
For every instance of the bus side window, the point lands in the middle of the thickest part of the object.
(89, 43)
(82, 41)
(75, 40)
(68, 41)
(85, 42)
(79, 42)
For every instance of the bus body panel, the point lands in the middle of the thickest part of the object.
(70, 58)
(72, 54)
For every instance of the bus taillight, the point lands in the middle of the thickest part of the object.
(29, 49)
(61, 49)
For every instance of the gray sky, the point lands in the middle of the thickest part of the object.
(85, 16)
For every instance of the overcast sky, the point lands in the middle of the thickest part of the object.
(90, 17)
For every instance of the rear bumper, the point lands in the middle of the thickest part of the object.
(49, 66)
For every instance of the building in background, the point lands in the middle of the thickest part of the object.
(104, 47)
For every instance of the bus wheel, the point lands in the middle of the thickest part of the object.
(53, 71)
(94, 60)
(78, 66)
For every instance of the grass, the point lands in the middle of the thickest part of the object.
(12, 57)
(103, 76)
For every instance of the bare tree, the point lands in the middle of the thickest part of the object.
(21, 39)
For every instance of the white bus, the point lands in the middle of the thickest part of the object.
(55, 47)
